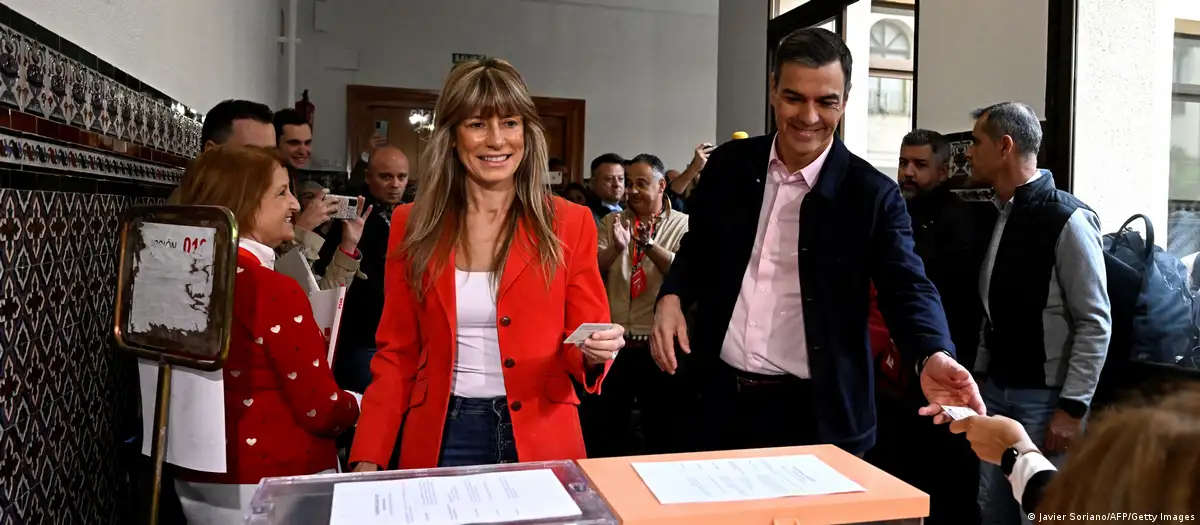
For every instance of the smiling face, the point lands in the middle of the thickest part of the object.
(296, 145)
(491, 148)
(808, 103)
(273, 222)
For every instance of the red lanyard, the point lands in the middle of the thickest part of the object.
(638, 254)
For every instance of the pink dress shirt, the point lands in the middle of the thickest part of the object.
(766, 332)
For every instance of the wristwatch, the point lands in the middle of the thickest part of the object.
(648, 244)
(1008, 460)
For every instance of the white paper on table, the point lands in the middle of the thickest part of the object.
(196, 423)
(742, 479)
(495, 497)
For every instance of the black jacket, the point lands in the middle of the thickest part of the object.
(364, 300)
(855, 230)
(951, 237)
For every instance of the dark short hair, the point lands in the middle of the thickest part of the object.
(288, 117)
(607, 158)
(218, 122)
(813, 47)
(653, 161)
(936, 142)
(1016, 120)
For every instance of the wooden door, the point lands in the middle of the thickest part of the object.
(368, 105)
(396, 128)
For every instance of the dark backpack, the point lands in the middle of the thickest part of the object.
(1152, 307)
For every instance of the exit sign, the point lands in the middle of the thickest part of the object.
(463, 57)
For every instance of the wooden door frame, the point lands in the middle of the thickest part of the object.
(360, 98)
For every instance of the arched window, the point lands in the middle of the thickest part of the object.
(889, 39)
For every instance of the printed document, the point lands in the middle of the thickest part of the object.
(741, 479)
(495, 497)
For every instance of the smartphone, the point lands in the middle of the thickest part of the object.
(381, 128)
(347, 207)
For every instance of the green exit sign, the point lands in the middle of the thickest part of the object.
(463, 57)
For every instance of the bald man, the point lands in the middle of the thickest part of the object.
(387, 175)
(384, 181)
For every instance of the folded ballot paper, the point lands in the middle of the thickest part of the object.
(327, 305)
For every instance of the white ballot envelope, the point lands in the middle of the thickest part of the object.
(957, 413)
(585, 331)
(327, 305)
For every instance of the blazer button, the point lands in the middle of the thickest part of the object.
(509, 363)
(505, 321)
(516, 406)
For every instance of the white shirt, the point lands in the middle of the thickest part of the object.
(477, 369)
(265, 254)
(766, 331)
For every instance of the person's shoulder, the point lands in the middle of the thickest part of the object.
(742, 147)
(400, 215)
(869, 175)
(568, 212)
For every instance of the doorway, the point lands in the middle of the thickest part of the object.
(389, 111)
(790, 15)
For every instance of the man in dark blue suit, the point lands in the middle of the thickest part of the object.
(788, 232)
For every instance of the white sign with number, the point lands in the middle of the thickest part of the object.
(173, 278)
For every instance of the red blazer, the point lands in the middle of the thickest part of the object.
(282, 405)
(414, 367)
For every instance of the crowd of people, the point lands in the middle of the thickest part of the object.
(777, 291)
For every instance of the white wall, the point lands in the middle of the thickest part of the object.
(198, 52)
(647, 68)
(974, 53)
(742, 68)
(1124, 53)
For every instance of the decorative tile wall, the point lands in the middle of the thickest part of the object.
(80, 142)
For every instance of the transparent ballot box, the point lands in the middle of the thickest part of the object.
(495, 493)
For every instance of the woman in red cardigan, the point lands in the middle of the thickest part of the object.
(487, 276)
(282, 406)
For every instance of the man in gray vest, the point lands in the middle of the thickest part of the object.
(1047, 321)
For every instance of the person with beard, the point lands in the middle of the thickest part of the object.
(950, 237)
(385, 179)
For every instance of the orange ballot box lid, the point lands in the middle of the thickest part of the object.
(753, 487)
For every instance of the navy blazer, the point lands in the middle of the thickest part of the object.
(854, 229)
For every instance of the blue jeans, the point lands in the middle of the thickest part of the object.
(478, 432)
(1033, 408)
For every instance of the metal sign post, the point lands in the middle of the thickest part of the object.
(174, 303)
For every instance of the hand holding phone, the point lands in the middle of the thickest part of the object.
(345, 206)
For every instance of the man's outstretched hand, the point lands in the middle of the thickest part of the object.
(945, 382)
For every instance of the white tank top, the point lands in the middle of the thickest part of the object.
(477, 371)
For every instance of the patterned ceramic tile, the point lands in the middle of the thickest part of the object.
(39, 154)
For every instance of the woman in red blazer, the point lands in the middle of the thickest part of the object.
(488, 274)
(282, 405)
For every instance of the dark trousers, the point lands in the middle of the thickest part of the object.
(640, 409)
(747, 410)
(478, 432)
(352, 368)
(927, 456)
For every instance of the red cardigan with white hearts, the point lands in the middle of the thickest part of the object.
(283, 408)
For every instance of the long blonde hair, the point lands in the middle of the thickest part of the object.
(1138, 458)
(478, 88)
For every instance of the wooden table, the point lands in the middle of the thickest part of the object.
(886, 498)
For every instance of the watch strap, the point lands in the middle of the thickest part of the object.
(1008, 459)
